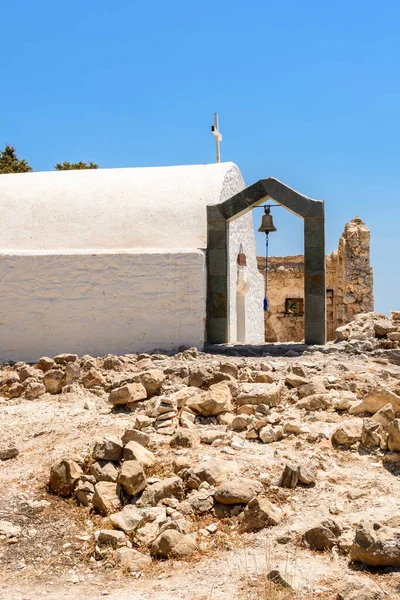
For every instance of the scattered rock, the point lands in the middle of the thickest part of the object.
(8, 451)
(84, 492)
(151, 380)
(104, 471)
(92, 378)
(316, 402)
(132, 477)
(132, 559)
(63, 359)
(129, 519)
(54, 380)
(271, 394)
(214, 472)
(9, 530)
(382, 327)
(64, 475)
(172, 544)
(285, 576)
(45, 364)
(238, 491)
(216, 400)
(385, 415)
(131, 392)
(375, 400)
(185, 438)
(260, 513)
(307, 473)
(371, 434)
(135, 435)
(376, 546)
(270, 434)
(322, 536)
(348, 434)
(167, 488)
(135, 451)
(109, 448)
(109, 537)
(106, 497)
(290, 476)
(360, 588)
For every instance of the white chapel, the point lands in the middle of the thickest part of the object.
(115, 261)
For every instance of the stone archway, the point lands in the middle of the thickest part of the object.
(218, 217)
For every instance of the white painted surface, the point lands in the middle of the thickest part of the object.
(99, 304)
(113, 260)
(161, 207)
(241, 231)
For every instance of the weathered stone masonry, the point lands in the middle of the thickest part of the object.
(349, 286)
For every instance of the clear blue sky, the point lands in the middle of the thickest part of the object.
(308, 92)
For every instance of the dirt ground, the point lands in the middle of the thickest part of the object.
(53, 557)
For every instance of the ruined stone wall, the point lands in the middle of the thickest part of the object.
(349, 286)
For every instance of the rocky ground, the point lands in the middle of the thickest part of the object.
(266, 472)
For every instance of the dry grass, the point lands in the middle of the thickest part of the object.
(252, 582)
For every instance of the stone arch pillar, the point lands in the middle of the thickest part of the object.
(312, 213)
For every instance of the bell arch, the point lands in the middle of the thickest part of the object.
(313, 214)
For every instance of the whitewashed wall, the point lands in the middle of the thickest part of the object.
(112, 260)
(98, 304)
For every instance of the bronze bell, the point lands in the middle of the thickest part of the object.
(267, 224)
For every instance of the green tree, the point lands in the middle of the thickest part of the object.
(10, 163)
(67, 166)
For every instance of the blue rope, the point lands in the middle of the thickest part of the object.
(266, 272)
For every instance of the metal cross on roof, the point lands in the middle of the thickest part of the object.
(218, 137)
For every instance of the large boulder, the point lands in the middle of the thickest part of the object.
(132, 559)
(316, 386)
(173, 544)
(375, 400)
(129, 519)
(132, 477)
(109, 537)
(104, 470)
(64, 475)
(131, 392)
(216, 400)
(34, 389)
(238, 491)
(348, 433)
(135, 435)
(201, 501)
(214, 472)
(270, 394)
(167, 488)
(376, 546)
(109, 448)
(260, 513)
(106, 497)
(54, 380)
(185, 438)
(135, 451)
(316, 402)
(151, 380)
(323, 536)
